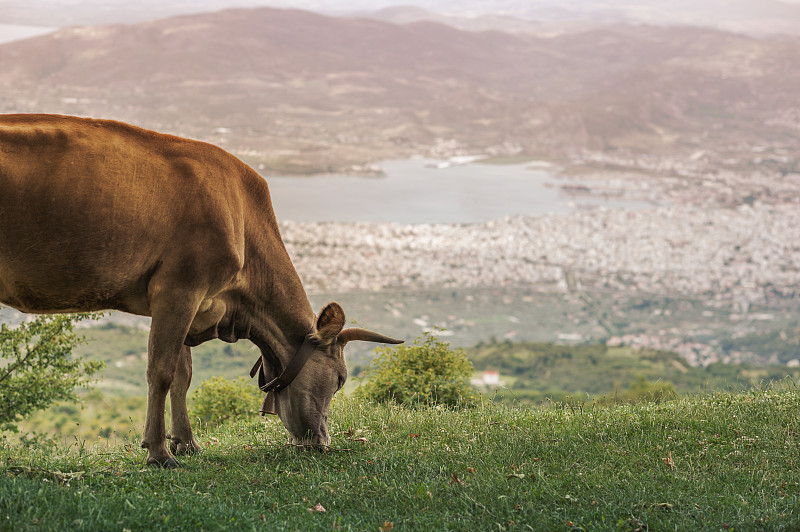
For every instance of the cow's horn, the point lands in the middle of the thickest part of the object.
(356, 333)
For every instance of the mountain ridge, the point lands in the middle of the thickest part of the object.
(337, 91)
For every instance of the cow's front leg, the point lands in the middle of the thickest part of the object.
(180, 429)
(171, 315)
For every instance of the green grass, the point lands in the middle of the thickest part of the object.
(711, 462)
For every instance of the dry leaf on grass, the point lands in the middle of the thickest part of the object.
(456, 480)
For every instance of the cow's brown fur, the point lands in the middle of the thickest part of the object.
(97, 214)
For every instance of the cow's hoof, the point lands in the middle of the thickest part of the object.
(185, 449)
(178, 446)
(166, 462)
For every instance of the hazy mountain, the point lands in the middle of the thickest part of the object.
(483, 22)
(339, 90)
(743, 16)
(756, 16)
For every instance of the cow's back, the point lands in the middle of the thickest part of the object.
(90, 209)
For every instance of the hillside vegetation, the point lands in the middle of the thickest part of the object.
(722, 461)
(535, 371)
(530, 373)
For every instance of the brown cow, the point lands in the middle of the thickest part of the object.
(97, 214)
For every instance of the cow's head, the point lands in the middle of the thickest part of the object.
(303, 405)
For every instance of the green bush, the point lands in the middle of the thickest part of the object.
(219, 399)
(427, 372)
(37, 366)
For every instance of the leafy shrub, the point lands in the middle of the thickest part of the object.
(219, 399)
(37, 368)
(426, 372)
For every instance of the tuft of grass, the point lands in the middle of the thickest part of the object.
(723, 461)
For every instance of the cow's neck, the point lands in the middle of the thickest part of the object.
(279, 308)
(280, 326)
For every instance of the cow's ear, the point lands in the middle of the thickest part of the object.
(329, 323)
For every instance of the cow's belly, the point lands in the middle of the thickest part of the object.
(55, 288)
(76, 257)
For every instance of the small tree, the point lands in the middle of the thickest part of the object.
(426, 372)
(37, 367)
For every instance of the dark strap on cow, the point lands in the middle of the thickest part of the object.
(290, 371)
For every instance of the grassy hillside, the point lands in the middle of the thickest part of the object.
(529, 373)
(535, 371)
(124, 350)
(532, 370)
(714, 462)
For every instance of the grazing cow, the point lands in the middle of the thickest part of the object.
(97, 214)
